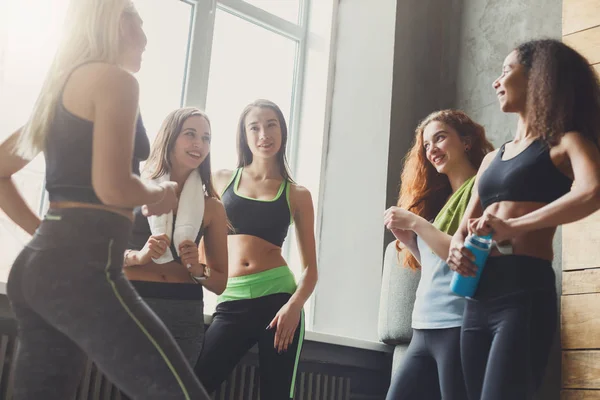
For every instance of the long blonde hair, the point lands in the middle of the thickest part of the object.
(91, 33)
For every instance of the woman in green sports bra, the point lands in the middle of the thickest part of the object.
(262, 302)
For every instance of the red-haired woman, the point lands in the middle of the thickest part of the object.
(437, 180)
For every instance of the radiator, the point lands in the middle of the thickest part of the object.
(243, 384)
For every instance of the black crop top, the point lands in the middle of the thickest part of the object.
(68, 154)
(529, 176)
(266, 219)
(140, 232)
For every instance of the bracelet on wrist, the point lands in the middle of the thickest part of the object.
(198, 279)
(125, 256)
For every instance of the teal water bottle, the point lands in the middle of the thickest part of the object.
(480, 246)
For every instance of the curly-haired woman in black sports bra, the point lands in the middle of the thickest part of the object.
(524, 191)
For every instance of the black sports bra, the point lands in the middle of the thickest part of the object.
(529, 176)
(68, 155)
(266, 219)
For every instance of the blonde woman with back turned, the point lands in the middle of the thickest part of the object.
(67, 287)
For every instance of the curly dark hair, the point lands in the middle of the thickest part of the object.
(563, 91)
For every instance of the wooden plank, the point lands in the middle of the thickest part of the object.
(581, 243)
(587, 43)
(580, 395)
(580, 321)
(581, 281)
(581, 369)
(579, 15)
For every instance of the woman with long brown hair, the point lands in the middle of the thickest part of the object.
(437, 180)
(548, 175)
(262, 303)
(173, 287)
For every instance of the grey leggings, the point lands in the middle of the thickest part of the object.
(185, 320)
(72, 301)
(431, 368)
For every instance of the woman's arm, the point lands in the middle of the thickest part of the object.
(581, 201)
(409, 239)
(115, 101)
(11, 201)
(213, 247)
(438, 241)
(397, 218)
(287, 319)
(304, 219)
(460, 259)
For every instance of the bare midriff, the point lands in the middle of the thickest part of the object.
(250, 254)
(171, 272)
(536, 243)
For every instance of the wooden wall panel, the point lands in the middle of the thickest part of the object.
(581, 369)
(580, 395)
(580, 321)
(580, 303)
(581, 243)
(579, 15)
(581, 282)
(587, 43)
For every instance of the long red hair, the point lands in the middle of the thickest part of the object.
(423, 190)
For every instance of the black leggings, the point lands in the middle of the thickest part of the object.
(506, 339)
(236, 327)
(72, 301)
(430, 368)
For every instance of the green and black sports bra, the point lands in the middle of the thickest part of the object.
(266, 219)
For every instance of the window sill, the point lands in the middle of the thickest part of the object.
(326, 338)
(310, 336)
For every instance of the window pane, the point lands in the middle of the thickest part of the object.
(167, 26)
(286, 9)
(29, 33)
(247, 63)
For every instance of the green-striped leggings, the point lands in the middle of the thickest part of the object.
(247, 306)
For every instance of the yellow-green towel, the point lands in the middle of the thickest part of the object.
(449, 217)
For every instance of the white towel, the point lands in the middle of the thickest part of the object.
(190, 213)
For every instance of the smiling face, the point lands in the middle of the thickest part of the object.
(511, 85)
(443, 147)
(192, 144)
(263, 132)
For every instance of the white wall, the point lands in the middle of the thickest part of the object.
(354, 179)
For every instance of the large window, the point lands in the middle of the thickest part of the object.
(216, 55)
(247, 62)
